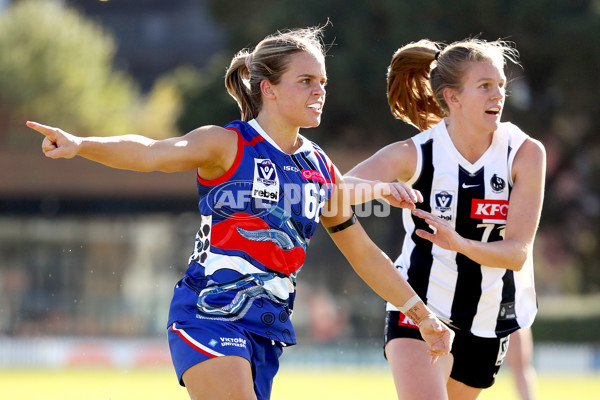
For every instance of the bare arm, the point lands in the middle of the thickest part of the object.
(378, 271)
(522, 220)
(382, 176)
(211, 149)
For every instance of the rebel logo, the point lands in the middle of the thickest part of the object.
(489, 209)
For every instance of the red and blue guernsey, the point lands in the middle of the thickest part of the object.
(256, 223)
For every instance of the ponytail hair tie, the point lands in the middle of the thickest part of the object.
(248, 61)
(437, 55)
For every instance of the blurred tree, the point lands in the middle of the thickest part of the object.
(157, 115)
(204, 95)
(57, 67)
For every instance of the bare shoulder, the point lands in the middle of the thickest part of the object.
(534, 143)
(399, 150)
(214, 133)
(530, 161)
(401, 157)
(213, 139)
(211, 149)
(531, 150)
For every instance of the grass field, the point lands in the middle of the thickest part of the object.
(290, 384)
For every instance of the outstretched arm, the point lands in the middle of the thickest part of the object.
(382, 176)
(529, 170)
(211, 149)
(378, 271)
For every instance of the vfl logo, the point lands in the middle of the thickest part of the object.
(443, 203)
(266, 182)
(489, 209)
(497, 184)
(266, 172)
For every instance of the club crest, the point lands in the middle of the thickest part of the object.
(266, 181)
(443, 203)
(497, 184)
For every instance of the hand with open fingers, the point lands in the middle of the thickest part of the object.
(437, 335)
(444, 234)
(57, 143)
(398, 194)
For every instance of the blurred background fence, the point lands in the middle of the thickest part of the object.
(89, 255)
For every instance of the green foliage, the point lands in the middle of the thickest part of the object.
(567, 330)
(157, 116)
(57, 68)
(205, 98)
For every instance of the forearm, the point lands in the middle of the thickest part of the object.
(382, 276)
(130, 152)
(510, 254)
(361, 190)
(376, 269)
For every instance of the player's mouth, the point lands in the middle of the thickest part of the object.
(493, 111)
(317, 106)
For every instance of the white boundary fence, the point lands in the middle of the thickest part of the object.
(57, 353)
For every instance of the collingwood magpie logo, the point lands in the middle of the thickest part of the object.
(497, 184)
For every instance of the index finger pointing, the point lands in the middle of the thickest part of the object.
(43, 129)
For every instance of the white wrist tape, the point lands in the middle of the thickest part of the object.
(409, 304)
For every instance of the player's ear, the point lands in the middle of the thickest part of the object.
(266, 89)
(451, 98)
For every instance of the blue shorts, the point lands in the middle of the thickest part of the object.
(192, 342)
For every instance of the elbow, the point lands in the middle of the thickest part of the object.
(517, 266)
(518, 261)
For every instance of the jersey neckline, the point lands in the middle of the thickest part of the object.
(481, 161)
(305, 146)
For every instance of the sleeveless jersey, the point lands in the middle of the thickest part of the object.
(474, 198)
(256, 223)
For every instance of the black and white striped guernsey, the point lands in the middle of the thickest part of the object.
(474, 198)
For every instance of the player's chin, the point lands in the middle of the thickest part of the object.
(313, 123)
(492, 122)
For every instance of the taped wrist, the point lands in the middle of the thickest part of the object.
(413, 310)
(409, 304)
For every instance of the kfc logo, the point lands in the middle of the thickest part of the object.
(403, 320)
(489, 209)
